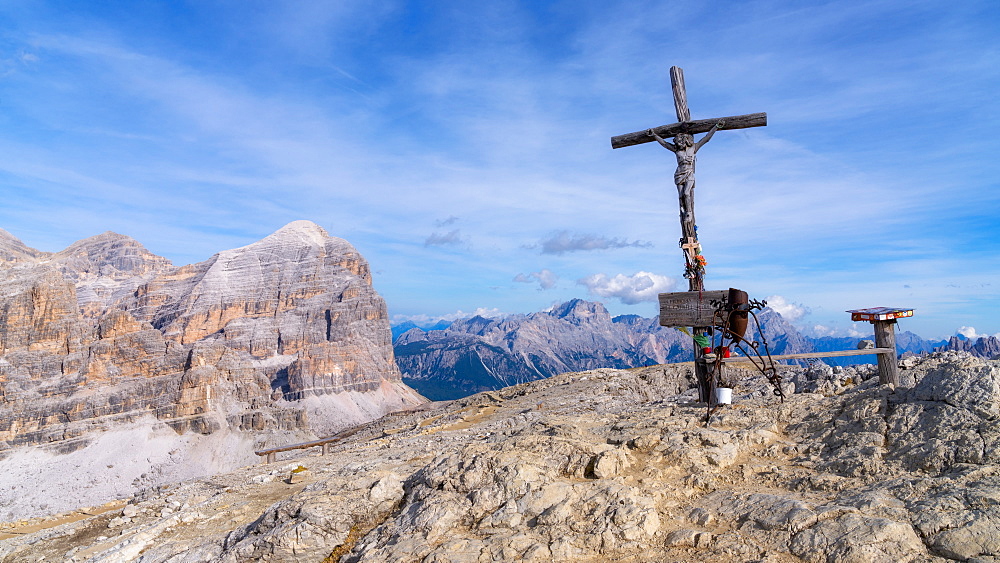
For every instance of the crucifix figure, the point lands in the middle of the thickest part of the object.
(684, 148)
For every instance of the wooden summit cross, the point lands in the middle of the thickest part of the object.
(684, 148)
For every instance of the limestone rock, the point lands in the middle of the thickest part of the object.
(856, 538)
(983, 347)
(298, 293)
(107, 268)
(13, 251)
(687, 537)
(285, 335)
(494, 478)
(610, 463)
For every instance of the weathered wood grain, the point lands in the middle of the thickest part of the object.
(690, 127)
(680, 94)
(885, 337)
(880, 352)
(688, 308)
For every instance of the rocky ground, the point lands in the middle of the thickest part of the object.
(596, 466)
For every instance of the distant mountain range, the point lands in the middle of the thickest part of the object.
(450, 360)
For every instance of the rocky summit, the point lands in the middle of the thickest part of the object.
(603, 465)
(136, 373)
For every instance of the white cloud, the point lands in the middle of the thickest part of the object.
(855, 330)
(972, 334)
(637, 288)
(865, 330)
(546, 279)
(967, 331)
(821, 330)
(790, 311)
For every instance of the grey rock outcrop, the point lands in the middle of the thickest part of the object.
(983, 347)
(603, 465)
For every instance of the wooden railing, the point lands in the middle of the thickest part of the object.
(270, 455)
(803, 355)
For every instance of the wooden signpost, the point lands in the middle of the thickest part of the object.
(884, 319)
(685, 148)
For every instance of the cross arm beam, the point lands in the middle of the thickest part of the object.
(691, 128)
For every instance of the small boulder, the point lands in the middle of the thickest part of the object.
(688, 537)
(610, 464)
(298, 475)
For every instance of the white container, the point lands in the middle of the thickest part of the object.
(723, 396)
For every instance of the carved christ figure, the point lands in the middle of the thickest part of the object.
(685, 149)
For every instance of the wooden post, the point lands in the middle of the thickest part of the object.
(885, 337)
(884, 319)
(689, 235)
(684, 148)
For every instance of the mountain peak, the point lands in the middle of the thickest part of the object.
(303, 229)
(579, 309)
(110, 254)
(13, 250)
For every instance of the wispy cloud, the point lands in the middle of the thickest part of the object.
(545, 279)
(562, 242)
(640, 287)
(853, 330)
(451, 238)
(428, 320)
(446, 222)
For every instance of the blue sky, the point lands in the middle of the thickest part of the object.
(464, 147)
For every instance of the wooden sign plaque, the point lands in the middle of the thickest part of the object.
(689, 308)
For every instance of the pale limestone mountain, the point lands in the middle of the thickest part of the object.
(107, 268)
(283, 337)
(12, 250)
